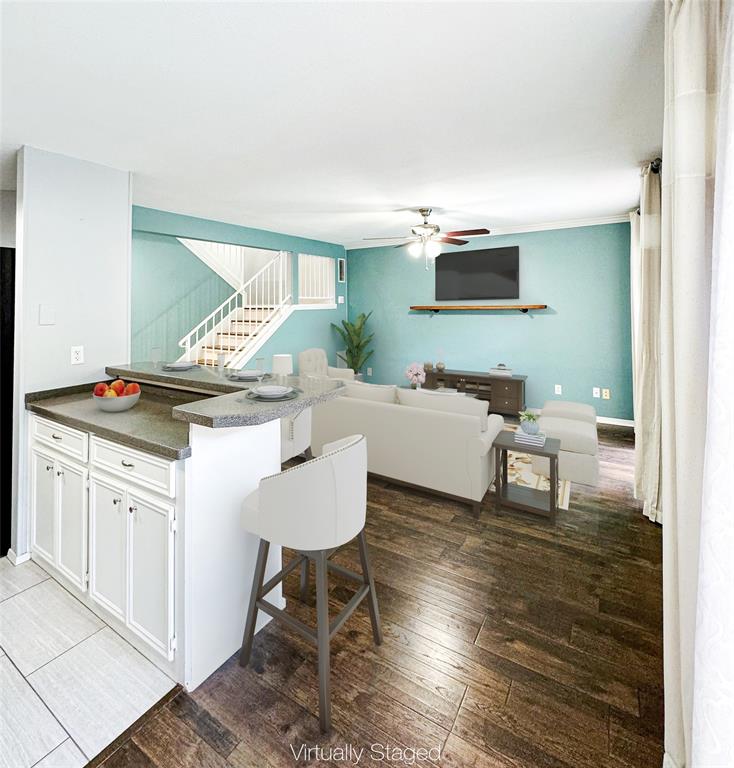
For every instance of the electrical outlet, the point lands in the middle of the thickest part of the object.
(606, 394)
(369, 371)
(596, 392)
(559, 389)
(77, 355)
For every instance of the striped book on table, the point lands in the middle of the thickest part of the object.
(537, 440)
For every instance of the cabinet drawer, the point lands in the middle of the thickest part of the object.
(506, 390)
(64, 439)
(142, 468)
(504, 404)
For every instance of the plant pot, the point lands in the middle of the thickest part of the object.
(529, 427)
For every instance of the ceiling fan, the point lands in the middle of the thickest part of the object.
(426, 238)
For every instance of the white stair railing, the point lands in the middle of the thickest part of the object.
(254, 304)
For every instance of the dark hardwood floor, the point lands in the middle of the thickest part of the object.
(509, 642)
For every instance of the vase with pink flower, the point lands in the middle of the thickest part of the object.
(415, 374)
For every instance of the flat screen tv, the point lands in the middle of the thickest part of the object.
(492, 273)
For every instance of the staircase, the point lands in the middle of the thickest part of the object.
(241, 323)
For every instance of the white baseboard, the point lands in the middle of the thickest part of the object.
(18, 559)
(615, 422)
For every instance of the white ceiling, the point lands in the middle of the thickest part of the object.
(326, 119)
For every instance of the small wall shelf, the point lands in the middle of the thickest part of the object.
(435, 308)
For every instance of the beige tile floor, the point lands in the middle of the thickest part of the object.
(69, 684)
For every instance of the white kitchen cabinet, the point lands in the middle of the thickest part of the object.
(108, 545)
(131, 571)
(150, 563)
(43, 504)
(59, 514)
(71, 521)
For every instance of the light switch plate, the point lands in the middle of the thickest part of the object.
(46, 314)
(369, 371)
(77, 355)
(341, 300)
(606, 394)
(596, 392)
(559, 389)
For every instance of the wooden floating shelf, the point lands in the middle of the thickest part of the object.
(524, 308)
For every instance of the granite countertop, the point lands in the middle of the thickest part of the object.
(232, 408)
(158, 423)
(147, 426)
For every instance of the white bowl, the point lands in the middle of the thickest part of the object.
(116, 404)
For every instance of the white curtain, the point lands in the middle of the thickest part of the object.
(645, 300)
(713, 691)
(693, 56)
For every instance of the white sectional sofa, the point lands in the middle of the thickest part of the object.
(439, 442)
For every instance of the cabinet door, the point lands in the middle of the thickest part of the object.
(43, 484)
(71, 521)
(108, 546)
(150, 558)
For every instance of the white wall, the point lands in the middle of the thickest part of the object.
(7, 218)
(73, 258)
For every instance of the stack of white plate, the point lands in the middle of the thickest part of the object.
(271, 391)
(246, 375)
(179, 365)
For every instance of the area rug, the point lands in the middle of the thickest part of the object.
(520, 471)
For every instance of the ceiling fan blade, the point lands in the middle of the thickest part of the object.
(450, 240)
(384, 238)
(467, 232)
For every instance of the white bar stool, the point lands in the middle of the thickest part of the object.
(313, 508)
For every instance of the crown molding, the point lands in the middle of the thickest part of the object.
(619, 218)
(567, 224)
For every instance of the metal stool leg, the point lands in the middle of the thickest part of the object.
(372, 596)
(304, 579)
(255, 595)
(322, 634)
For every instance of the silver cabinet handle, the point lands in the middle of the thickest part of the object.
(59, 473)
(56, 437)
(49, 467)
(126, 464)
(116, 501)
(132, 509)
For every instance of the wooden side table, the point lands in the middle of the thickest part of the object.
(514, 496)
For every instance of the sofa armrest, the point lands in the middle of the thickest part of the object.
(340, 373)
(495, 424)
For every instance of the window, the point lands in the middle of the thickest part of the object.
(316, 279)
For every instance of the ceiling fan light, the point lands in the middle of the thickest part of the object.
(415, 249)
(432, 249)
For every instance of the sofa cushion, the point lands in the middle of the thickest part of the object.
(565, 410)
(575, 436)
(380, 393)
(469, 406)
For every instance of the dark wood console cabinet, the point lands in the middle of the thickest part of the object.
(505, 394)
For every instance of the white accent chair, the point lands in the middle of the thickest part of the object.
(313, 508)
(313, 362)
(574, 424)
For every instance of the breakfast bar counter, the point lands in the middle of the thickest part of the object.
(139, 512)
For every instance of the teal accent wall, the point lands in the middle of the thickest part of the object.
(581, 341)
(172, 290)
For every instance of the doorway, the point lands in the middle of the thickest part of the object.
(7, 330)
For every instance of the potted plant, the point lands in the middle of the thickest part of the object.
(355, 341)
(529, 422)
(415, 374)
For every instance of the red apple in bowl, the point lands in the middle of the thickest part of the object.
(109, 392)
(119, 386)
(133, 388)
(100, 389)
